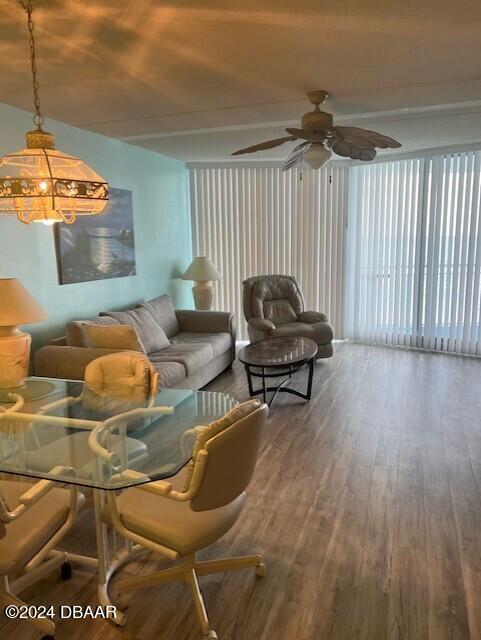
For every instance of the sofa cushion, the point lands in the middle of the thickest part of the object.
(320, 332)
(151, 334)
(163, 312)
(192, 356)
(118, 336)
(170, 373)
(74, 334)
(220, 342)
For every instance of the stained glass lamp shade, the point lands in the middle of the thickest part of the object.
(41, 184)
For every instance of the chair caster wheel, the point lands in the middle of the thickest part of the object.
(210, 635)
(120, 619)
(261, 570)
(66, 571)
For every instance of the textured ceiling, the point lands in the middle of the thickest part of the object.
(198, 79)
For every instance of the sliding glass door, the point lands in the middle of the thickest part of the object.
(415, 253)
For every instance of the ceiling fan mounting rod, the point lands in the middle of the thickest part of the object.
(317, 98)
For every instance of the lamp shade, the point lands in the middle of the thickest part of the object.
(202, 269)
(317, 156)
(41, 184)
(16, 305)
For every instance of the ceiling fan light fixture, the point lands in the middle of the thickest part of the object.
(317, 156)
(41, 184)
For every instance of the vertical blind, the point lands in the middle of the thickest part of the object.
(415, 253)
(405, 271)
(253, 221)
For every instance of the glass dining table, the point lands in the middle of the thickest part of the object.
(102, 440)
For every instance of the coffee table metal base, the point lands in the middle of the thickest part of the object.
(283, 386)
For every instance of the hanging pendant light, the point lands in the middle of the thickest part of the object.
(41, 184)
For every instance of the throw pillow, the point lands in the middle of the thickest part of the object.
(151, 335)
(74, 334)
(115, 336)
(163, 312)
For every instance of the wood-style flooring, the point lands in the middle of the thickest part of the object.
(366, 504)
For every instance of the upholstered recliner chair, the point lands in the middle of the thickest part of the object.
(274, 306)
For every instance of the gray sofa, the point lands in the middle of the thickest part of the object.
(201, 344)
(274, 306)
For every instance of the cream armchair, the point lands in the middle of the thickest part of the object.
(176, 519)
(33, 520)
(117, 382)
(274, 306)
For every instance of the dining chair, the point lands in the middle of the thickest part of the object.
(177, 519)
(115, 383)
(34, 517)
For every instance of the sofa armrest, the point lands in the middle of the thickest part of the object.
(310, 317)
(261, 324)
(69, 363)
(206, 321)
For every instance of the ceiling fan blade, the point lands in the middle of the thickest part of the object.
(367, 155)
(349, 150)
(306, 135)
(269, 144)
(296, 155)
(365, 138)
(341, 148)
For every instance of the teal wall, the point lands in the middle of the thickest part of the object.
(159, 188)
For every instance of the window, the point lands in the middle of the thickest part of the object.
(415, 253)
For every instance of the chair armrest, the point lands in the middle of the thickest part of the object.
(157, 487)
(42, 487)
(206, 321)
(310, 317)
(54, 361)
(34, 494)
(261, 324)
(165, 489)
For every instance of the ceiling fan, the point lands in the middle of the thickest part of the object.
(320, 138)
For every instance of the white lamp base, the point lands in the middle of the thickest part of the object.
(203, 295)
(14, 357)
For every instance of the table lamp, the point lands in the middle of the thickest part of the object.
(202, 271)
(16, 307)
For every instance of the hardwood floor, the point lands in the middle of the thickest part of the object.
(366, 505)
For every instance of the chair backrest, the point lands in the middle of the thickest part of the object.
(232, 444)
(277, 298)
(124, 376)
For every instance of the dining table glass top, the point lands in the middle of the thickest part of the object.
(104, 438)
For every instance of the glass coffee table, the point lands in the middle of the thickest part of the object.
(278, 358)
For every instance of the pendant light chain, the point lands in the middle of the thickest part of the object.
(38, 118)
